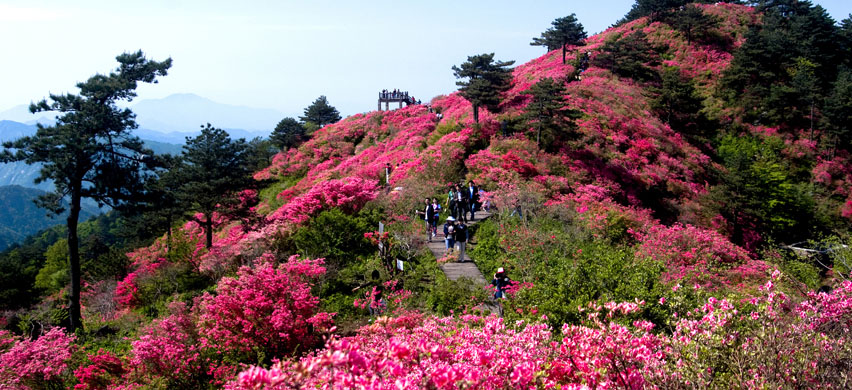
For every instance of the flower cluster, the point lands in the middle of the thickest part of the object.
(24, 362)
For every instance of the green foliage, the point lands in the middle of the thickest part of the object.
(546, 113)
(53, 276)
(678, 103)
(631, 56)
(337, 237)
(486, 79)
(259, 153)
(288, 133)
(448, 295)
(760, 184)
(780, 73)
(320, 113)
(838, 111)
(565, 31)
(173, 281)
(567, 269)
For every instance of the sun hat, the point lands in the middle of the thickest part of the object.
(450, 219)
(499, 270)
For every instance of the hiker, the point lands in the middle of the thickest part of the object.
(462, 198)
(449, 234)
(460, 235)
(473, 200)
(437, 207)
(429, 216)
(452, 203)
(500, 282)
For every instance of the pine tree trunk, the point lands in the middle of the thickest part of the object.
(74, 260)
(476, 113)
(208, 229)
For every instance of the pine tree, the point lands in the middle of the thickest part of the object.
(692, 22)
(90, 152)
(838, 111)
(631, 56)
(565, 31)
(546, 112)
(658, 10)
(288, 133)
(486, 80)
(320, 113)
(678, 104)
(214, 168)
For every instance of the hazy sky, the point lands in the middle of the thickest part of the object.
(279, 54)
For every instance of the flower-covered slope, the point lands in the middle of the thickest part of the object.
(631, 164)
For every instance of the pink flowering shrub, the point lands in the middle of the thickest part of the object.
(26, 364)
(264, 309)
(767, 341)
(104, 370)
(698, 255)
(347, 194)
(170, 348)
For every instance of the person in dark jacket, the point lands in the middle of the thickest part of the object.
(473, 199)
(500, 282)
(463, 198)
(460, 235)
(430, 217)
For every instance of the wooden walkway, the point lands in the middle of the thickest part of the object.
(467, 269)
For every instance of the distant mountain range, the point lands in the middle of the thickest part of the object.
(175, 117)
(20, 217)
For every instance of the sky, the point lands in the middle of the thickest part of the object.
(280, 54)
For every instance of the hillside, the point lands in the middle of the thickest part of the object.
(21, 218)
(644, 237)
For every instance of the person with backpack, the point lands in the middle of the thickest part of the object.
(500, 282)
(449, 233)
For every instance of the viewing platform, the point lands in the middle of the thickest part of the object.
(388, 97)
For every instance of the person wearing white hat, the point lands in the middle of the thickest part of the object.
(448, 233)
(500, 282)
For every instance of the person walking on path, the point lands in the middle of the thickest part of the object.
(452, 201)
(429, 216)
(449, 234)
(460, 235)
(461, 198)
(500, 282)
(473, 199)
(437, 207)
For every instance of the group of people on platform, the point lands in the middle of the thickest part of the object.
(400, 95)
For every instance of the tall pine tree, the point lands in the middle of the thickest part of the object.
(486, 80)
(565, 31)
(214, 169)
(90, 152)
(546, 113)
